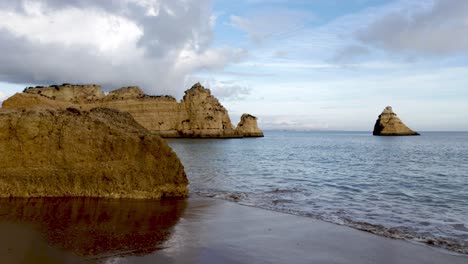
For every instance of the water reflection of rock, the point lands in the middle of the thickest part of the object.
(96, 227)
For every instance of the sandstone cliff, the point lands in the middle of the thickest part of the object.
(248, 126)
(388, 124)
(199, 114)
(97, 153)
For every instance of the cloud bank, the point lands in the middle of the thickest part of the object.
(156, 44)
(439, 29)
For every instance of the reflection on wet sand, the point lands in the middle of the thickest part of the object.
(94, 228)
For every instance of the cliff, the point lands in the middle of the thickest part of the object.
(199, 114)
(388, 124)
(97, 153)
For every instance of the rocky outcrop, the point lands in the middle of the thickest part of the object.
(126, 93)
(199, 114)
(204, 116)
(96, 153)
(248, 126)
(388, 124)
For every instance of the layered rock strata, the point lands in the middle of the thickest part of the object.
(96, 153)
(388, 124)
(199, 114)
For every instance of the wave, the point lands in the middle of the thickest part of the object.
(281, 205)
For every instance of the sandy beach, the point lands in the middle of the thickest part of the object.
(196, 230)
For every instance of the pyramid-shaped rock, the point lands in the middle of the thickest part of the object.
(388, 124)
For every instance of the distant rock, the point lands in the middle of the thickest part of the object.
(388, 124)
(199, 114)
(126, 93)
(96, 153)
(248, 126)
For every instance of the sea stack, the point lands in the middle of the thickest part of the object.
(388, 124)
(96, 153)
(248, 126)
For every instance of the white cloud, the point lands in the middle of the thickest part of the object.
(96, 28)
(156, 44)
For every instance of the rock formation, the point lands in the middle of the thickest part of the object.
(248, 126)
(199, 114)
(96, 153)
(388, 124)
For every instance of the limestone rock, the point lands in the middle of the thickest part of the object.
(205, 116)
(199, 114)
(126, 93)
(96, 153)
(34, 100)
(248, 126)
(388, 124)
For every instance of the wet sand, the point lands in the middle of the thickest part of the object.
(198, 230)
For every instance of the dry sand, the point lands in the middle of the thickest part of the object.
(198, 230)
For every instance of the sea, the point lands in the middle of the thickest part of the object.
(413, 188)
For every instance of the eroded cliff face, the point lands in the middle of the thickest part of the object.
(248, 126)
(388, 124)
(96, 153)
(205, 116)
(199, 114)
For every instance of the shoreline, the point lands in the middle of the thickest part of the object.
(195, 230)
(447, 244)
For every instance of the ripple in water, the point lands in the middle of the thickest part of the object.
(412, 188)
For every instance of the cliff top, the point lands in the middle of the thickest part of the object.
(248, 116)
(91, 92)
(197, 88)
(59, 86)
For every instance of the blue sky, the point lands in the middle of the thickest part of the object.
(317, 64)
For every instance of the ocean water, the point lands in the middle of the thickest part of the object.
(414, 188)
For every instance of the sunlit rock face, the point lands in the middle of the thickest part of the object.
(248, 126)
(199, 114)
(388, 124)
(97, 153)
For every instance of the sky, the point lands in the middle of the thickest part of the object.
(295, 64)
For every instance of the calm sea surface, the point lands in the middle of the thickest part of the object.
(404, 187)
